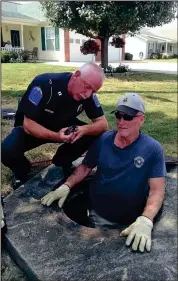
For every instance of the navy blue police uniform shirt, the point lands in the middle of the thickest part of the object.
(48, 103)
(120, 187)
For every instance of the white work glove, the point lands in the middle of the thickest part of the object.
(60, 194)
(140, 231)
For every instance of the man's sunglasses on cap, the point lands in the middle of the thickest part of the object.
(125, 116)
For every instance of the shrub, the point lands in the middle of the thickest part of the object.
(165, 56)
(128, 56)
(170, 56)
(120, 69)
(5, 56)
(13, 55)
(173, 56)
(109, 69)
(156, 56)
(24, 56)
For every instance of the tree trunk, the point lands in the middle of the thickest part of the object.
(104, 52)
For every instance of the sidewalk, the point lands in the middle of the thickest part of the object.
(155, 67)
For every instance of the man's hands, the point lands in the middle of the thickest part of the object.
(60, 194)
(140, 233)
(61, 137)
(81, 131)
(72, 137)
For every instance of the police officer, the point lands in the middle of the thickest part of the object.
(50, 105)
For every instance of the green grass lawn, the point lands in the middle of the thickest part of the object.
(159, 92)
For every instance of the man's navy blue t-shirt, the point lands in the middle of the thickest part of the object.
(120, 187)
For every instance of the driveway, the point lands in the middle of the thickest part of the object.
(156, 67)
(159, 67)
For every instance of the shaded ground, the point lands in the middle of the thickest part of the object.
(9, 270)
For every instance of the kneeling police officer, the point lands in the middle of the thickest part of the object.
(50, 105)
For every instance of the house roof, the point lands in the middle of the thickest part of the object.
(152, 35)
(168, 33)
(28, 11)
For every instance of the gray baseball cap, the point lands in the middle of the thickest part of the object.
(131, 104)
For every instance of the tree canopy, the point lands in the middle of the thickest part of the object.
(103, 19)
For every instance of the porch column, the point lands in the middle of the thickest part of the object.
(166, 48)
(66, 45)
(22, 39)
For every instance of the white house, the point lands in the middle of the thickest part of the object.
(146, 42)
(24, 25)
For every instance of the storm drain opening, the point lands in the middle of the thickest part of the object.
(78, 203)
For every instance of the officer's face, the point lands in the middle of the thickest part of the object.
(83, 88)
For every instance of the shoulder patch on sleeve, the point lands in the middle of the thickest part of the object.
(35, 95)
(96, 101)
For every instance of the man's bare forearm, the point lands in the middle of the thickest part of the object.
(78, 175)
(38, 131)
(154, 202)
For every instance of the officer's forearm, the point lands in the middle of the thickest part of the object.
(38, 131)
(78, 175)
(99, 126)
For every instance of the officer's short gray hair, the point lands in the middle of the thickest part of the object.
(93, 68)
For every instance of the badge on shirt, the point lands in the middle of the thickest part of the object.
(35, 95)
(96, 101)
(59, 93)
(138, 162)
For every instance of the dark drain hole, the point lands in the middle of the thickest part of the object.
(78, 203)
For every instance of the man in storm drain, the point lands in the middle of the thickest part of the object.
(127, 190)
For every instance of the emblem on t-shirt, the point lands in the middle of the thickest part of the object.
(80, 108)
(138, 162)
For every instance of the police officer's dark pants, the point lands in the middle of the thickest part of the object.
(18, 142)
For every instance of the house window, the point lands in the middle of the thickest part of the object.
(170, 48)
(83, 41)
(50, 38)
(71, 40)
(162, 48)
(77, 41)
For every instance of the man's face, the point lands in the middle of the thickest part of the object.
(83, 88)
(127, 128)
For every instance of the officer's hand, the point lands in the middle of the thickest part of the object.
(65, 138)
(60, 193)
(79, 133)
(140, 233)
